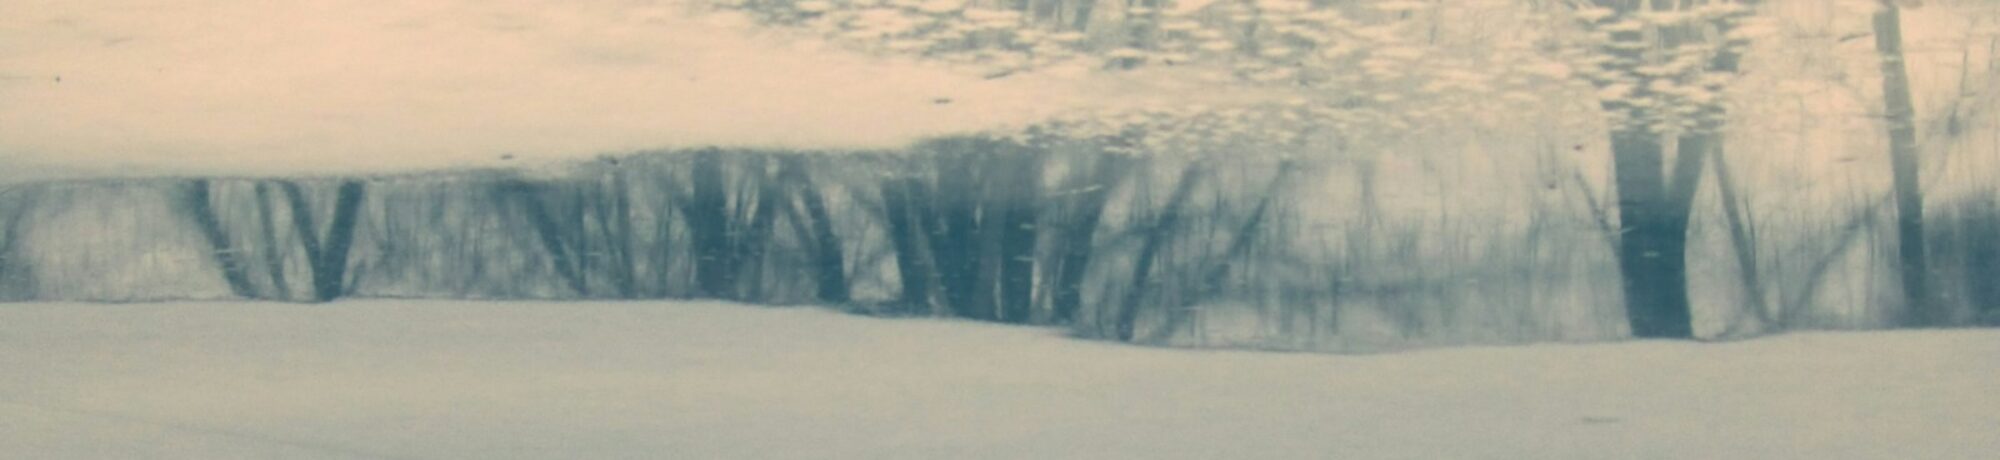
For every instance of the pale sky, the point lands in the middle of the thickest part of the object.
(168, 86)
(140, 87)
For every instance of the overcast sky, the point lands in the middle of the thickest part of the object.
(166, 86)
(223, 86)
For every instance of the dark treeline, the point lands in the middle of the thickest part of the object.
(1152, 249)
(17, 278)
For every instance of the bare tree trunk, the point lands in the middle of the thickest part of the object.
(1742, 240)
(1652, 251)
(16, 275)
(302, 221)
(707, 215)
(1706, 144)
(274, 257)
(1218, 270)
(196, 201)
(576, 202)
(1076, 245)
(1982, 253)
(1019, 233)
(1162, 229)
(829, 264)
(987, 257)
(955, 229)
(756, 240)
(1922, 309)
(616, 223)
(546, 228)
(900, 198)
(674, 202)
(330, 274)
(1653, 201)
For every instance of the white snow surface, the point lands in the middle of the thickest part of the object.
(111, 87)
(464, 380)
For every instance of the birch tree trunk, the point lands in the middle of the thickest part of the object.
(1921, 310)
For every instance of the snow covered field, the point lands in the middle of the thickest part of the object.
(426, 380)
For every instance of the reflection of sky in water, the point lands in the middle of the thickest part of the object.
(209, 84)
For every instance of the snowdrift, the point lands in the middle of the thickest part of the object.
(389, 379)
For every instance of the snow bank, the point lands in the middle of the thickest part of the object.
(385, 379)
(218, 86)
